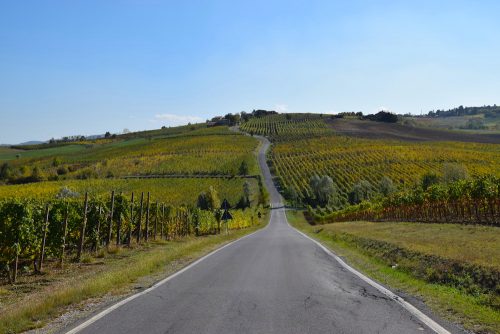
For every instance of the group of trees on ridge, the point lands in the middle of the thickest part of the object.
(488, 111)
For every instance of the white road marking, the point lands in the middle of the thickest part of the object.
(165, 280)
(437, 328)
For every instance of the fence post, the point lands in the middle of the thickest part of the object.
(110, 228)
(156, 221)
(139, 222)
(131, 223)
(146, 237)
(65, 231)
(162, 220)
(119, 227)
(98, 241)
(82, 231)
(44, 238)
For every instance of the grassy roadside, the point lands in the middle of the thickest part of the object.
(451, 303)
(117, 276)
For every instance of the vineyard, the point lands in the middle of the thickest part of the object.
(282, 128)
(350, 160)
(32, 231)
(203, 151)
(473, 201)
(175, 191)
(305, 146)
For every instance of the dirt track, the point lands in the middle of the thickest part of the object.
(379, 130)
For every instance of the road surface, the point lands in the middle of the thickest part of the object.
(273, 281)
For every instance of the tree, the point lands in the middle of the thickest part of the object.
(454, 172)
(386, 186)
(37, 175)
(243, 170)
(246, 191)
(107, 134)
(428, 179)
(291, 195)
(202, 202)
(324, 189)
(361, 191)
(244, 201)
(5, 171)
(213, 198)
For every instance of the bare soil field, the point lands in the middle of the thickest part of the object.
(380, 130)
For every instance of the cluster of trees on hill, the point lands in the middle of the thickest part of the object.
(233, 119)
(381, 116)
(488, 111)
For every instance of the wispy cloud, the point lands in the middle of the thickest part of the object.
(281, 108)
(173, 119)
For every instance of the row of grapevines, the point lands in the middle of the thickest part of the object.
(473, 201)
(284, 127)
(31, 230)
(349, 160)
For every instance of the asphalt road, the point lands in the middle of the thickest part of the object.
(274, 281)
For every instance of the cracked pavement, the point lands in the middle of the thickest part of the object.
(274, 281)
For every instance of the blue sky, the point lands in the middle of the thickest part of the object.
(86, 67)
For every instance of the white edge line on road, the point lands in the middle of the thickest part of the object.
(409, 307)
(154, 286)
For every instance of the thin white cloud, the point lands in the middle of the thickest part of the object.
(281, 108)
(173, 119)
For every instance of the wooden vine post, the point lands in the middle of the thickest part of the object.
(119, 227)
(131, 223)
(139, 221)
(98, 240)
(44, 237)
(156, 221)
(65, 232)
(82, 230)
(163, 220)
(146, 236)
(110, 227)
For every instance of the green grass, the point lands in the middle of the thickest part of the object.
(12, 154)
(116, 276)
(451, 303)
(444, 240)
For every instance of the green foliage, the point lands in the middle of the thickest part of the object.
(454, 172)
(325, 191)
(361, 191)
(429, 179)
(474, 200)
(386, 186)
(243, 170)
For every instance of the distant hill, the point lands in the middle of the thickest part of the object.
(381, 130)
(488, 111)
(32, 142)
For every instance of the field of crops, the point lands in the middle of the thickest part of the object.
(173, 191)
(305, 146)
(287, 127)
(349, 160)
(213, 151)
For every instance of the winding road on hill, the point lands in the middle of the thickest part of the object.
(273, 281)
